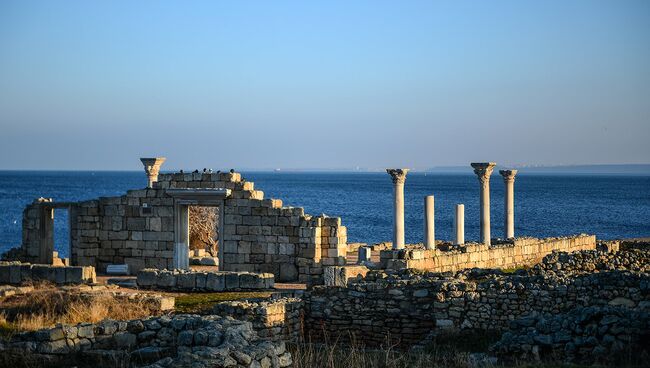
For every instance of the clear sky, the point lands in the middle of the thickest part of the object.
(323, 84)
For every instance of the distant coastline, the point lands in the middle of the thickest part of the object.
(596, 169)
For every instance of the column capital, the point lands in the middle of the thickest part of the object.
(508, 175)
(483, 170)
(398, 175)
(151, 168)
(152, 164)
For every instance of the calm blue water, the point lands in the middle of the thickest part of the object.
(545, 205)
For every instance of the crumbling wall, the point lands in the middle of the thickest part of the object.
(179, 341)
(258, 235)
(38, 233)
(276, 320)
(585, 335)
(406, 305)
(511, 254)
(135, 229)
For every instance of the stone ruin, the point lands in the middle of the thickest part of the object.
(149, 228)
(568, 297)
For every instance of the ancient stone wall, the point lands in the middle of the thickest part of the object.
(258, 235)
(279, 319)
(16, 273)
(585, 335)
(181, 280)
(405, 305)
(184, 340)
(510, 254)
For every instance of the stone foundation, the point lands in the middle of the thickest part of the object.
(16, 273)
(509, 254)
(585, 335)
(181, 280)
(406, 305)
(184, 340)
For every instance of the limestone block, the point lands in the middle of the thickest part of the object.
(39, 272)
(215, 281)
(186, 280)
(201, 280)
(166, 280)
(147, 278)
(339, 275)
(59, 275)
(288, 272)
(250, 281)
(232, 281)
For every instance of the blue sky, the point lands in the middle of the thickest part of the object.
(331, 84)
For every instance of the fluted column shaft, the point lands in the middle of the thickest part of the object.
(429, 223)
(399, 177)
(509, 203)
(459, 225)
(483, 171)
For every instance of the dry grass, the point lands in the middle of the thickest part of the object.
(451, 351)
(47, 306)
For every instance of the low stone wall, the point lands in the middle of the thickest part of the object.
(406, 305)
(16, 273)
(280, 319)
(181, 341)
(182, 280)
(509, 254)
(586, 335)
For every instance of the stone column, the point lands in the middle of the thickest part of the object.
(483, 170)
(509, 203)
(152, 167)
(399, 177)
(459, 225)
(182, 237)
(429, 225)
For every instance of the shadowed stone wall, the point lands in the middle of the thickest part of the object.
(406, 305)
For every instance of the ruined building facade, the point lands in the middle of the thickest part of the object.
(148, 228)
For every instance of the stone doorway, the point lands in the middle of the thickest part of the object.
(41, 240)
(183, 200)
(204, 234)
(62, 234)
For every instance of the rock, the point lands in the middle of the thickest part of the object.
(150, 354)
(444, 324)
(209, 261)
(622, 301)
(125, 340)
(185, 338)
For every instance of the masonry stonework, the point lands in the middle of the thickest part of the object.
(139, 229)
(513, 253)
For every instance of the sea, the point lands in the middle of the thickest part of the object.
(609, 206)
